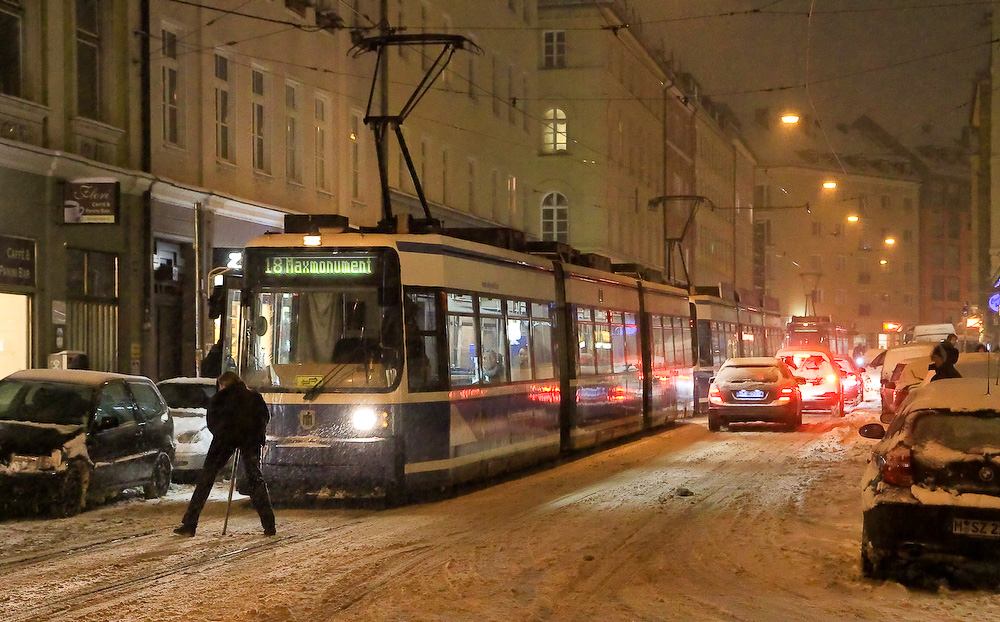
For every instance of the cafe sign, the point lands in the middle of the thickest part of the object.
(90, 201)
(17, 261)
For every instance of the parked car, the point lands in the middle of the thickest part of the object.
(68, 437)
(915, 373)
(188, 401)
(853, 381)
(823, 389)
(754, 389)
(907, 374)
(872, 371)
(895, 355)
(931, 491)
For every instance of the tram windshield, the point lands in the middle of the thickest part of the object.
(324, 323)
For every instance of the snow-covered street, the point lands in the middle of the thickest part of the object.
(751, 524)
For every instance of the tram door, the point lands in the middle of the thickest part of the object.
(226, 311)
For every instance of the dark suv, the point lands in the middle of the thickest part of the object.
(72, 436)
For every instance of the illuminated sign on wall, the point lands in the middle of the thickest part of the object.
(892, 327)
(314, 266)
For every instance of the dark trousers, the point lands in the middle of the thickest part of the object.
(218, 455)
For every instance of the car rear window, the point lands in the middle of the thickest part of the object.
(187, 395)
(45, 402)
(965, 432)
(758, 373)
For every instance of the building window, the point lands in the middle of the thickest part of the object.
(525, 119)
(554, 133)
(444, 176)
(293, 140)
(355, 146)
(841, 263)
(258, 122)
(554, 49)
(907, 235)
(473, 93)
(223, 110)
(494, 85)
(816, 263)
(92, 306)
(555, 217)
(864, 278)
(511, 198)
(88, 59)
(495, 195)
(322, 144)
(171, 93)
(884, 201)
(11, 51)
(907, 204)
(864, 309)
(401, 19)
(817, 228)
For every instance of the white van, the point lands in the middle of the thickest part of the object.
(932, 332)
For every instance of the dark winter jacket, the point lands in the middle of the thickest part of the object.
(947, 368)
(238, 416)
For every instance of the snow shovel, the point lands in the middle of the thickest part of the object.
(232, 485)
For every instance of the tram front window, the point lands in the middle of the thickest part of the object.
(324, 339)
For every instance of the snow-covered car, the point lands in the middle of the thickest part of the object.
(851, 377)
(188, 401)
(68, 437)
(931, 489)
(823, 389)
(913, 374)
(754, 389)
(872, 370)
(895, 355)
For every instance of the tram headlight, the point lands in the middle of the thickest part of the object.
(367, 419)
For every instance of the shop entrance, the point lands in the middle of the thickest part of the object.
(15, 331)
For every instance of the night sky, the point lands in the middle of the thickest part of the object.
(909, 64)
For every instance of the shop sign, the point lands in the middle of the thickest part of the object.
(90, 201)
(17, 261)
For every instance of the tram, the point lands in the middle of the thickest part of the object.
(395, 363)
(819, 330)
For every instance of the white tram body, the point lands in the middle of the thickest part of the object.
(400, 362)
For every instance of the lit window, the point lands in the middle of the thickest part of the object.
(554, 132)
(555, 217)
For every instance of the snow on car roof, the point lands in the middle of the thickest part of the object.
(189, 380)
(769, 361)
(71, 376)
(957, 395)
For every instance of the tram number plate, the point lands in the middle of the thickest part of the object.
(980, 528)
(750, 394)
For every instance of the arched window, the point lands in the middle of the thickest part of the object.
(555, 217)
(554, 134)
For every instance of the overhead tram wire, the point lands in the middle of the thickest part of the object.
(210, 22)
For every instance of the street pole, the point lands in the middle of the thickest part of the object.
(663, 205)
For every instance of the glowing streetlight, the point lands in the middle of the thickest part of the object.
(890, 241)
(789, 118)
(829, 185)
(853, 218)
(884, 261)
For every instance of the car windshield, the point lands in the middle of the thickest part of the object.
(179, 395)
(969, 432)
(45, 402)
(757, 373)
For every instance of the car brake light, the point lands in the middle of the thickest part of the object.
(785, 394)
(831, 378)
(714, 395)
(896, 469)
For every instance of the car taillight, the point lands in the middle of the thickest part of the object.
(785, 394)
(714, 395)
(831, 378)
(896, 469)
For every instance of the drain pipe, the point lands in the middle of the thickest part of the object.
(199, 290)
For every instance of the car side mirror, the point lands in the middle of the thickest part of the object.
(872, 430)
(105, 422)
(800, 380)
(711, 380)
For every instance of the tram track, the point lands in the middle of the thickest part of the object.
(17, 563)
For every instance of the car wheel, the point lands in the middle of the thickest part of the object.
(159, 480)
(714, 423)
(73, 491)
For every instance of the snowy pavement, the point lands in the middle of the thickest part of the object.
(685, 524)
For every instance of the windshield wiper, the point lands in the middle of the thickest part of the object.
(313, 392)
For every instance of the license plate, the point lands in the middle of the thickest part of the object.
(750, 394)
(979, 528)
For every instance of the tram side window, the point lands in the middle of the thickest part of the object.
(617, 332)
(671, 342)
(461, 326)
(518, 340)
(656, 334)
(602, 341)
(541, 341)
(493, 340)
(585, 358)
(421, 325)
(632, 356)
(686, 354)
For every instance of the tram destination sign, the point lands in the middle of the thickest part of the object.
(17, 261)
(318, 266)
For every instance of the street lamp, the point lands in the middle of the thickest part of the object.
(889, 241)
(789, 118)
(884, 261)
(853, 218)
(829, 185)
